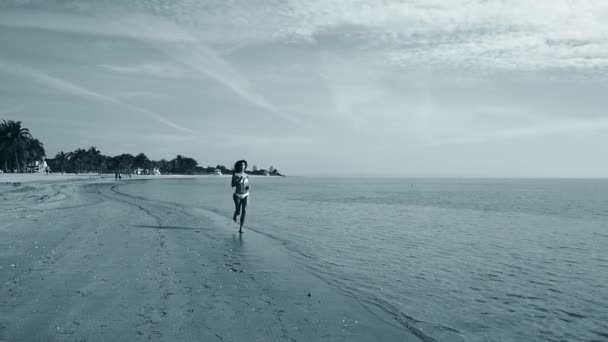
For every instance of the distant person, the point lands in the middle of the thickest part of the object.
(240, 181)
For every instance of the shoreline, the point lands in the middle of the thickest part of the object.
(79, 255)
(40, 177)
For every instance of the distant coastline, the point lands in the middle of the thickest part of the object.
(20, 152)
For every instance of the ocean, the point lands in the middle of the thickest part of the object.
(456, 259)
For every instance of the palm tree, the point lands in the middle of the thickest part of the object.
(93, 154)
(78, 157)
(141, 161)
(103, 163)
(176, 164)
(4, 155)
(62, 158)
(124, 162)
(33, 151)
(13, 139)
(163, 165)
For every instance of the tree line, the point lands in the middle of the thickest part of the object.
(19, 149)
(17, 146)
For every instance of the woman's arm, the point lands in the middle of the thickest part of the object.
(234, 181)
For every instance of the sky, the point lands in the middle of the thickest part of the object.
(413, 88)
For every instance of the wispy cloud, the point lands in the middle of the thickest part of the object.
(200, 57)
(12, 110)
(71, 88)
(90, 23)
(206, 61)
(492, 34)
(127, 94)
(148, 69)
(356, 102)
(296, 140)
(210, 139)
(377, 73)
(529, 132)
(518, 34)
(180, 44)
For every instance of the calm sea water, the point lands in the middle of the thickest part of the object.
(470, 260)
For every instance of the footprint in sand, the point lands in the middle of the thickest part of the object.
(233, 269)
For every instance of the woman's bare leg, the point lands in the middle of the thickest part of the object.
(243, 212)
(237, 206)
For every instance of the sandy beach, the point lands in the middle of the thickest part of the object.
(81, 261)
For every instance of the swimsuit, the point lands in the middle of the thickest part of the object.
(242, 187)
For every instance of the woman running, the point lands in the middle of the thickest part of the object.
(240, 181)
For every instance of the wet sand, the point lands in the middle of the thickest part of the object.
(80, 261)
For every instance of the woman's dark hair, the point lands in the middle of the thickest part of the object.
(236, 165)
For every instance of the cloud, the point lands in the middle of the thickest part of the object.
(181, 44)
(297, 140)
(11, 110)
(148, 69)
(356, 102)
(128, 94)
(198, 56)
(206, 61)
(476, 33)
(529, 132)
(211, 139)
(71, 88)
(82, 23)
(487, 34)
